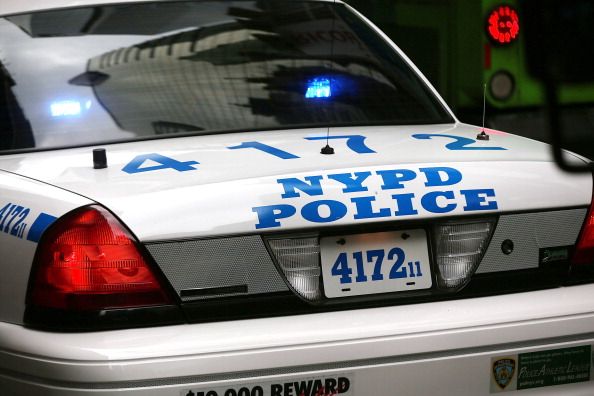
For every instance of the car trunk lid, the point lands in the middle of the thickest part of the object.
(270, 181)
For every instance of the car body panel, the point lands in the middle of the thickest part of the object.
(222, 188)
(406, 343)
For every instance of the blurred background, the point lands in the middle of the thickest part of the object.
(460, 46)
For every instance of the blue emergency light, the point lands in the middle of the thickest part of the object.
(318, 88)
(65, 108)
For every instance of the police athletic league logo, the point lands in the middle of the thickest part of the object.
(503, 371)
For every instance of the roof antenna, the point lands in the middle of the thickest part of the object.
(327, 150)
(483, 135)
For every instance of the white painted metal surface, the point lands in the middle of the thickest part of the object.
(445, 346)
(234, 191)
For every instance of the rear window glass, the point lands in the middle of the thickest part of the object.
(125, 72)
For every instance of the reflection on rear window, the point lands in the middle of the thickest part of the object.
(119, 73)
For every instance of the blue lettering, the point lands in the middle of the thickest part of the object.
(364, 209)
(354, 142)
(41, 223)
(393, 178)
(404, 204)
(268, 216)
(265, 148)
(459, 143)
(367, 207)
(311, 211)
(434, 178)
(477, 199)
(134, 166)
(291, 184)
(429, 202)
(353, 184)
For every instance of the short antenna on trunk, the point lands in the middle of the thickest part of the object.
(327, 150)
(483, 135)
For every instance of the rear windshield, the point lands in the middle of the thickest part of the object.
(101, 74)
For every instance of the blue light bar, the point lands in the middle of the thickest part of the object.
(318, 88)
(65, 108)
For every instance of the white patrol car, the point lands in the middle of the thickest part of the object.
(266, 198)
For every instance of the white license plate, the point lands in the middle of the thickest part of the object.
(373, 263)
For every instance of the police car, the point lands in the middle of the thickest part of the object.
(266, 198)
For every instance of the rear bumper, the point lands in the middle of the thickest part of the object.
(443, 348)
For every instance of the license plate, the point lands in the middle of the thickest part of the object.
(373, 263)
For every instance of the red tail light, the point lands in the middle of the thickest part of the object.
(89, 261)
(584, 249)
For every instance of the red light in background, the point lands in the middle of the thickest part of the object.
(503, 25)
(487, 56)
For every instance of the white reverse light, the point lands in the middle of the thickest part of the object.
(299, 259)
(459, 248)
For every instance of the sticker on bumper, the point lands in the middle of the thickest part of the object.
(324, 386)
(541, 368)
